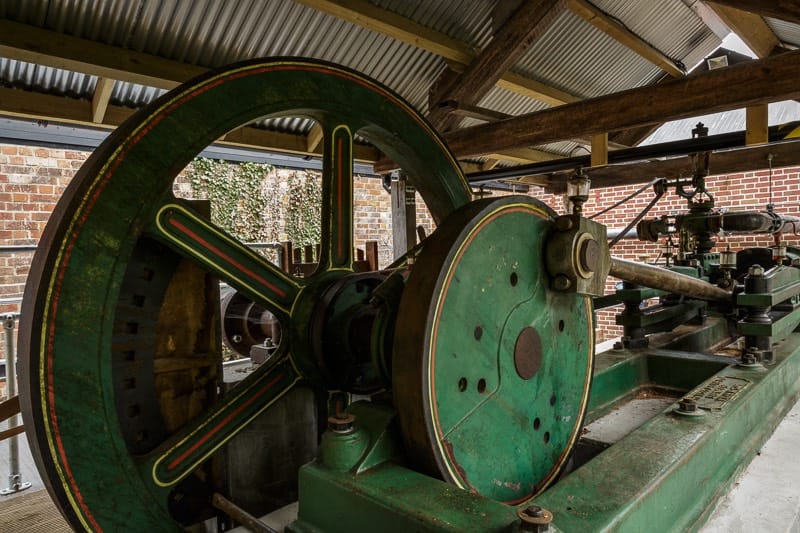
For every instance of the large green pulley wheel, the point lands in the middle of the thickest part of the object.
(492, 371)
(93, 304)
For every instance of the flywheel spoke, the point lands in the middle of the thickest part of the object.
(337, 198)
(227, 258)
(193, 444)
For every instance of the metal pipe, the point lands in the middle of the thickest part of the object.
(614, 233)
(240, 515)
(15, 483)
(667, 280)
(13, 249)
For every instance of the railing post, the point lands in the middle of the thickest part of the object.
(15, 483)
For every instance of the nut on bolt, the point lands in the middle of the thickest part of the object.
(755, 271)
(534, 518)
(687, 405)
(341, 423)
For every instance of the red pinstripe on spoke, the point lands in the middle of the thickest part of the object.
(224, 422)
(194, 236)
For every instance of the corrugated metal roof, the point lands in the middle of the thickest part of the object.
(578, 58)
(670, 26)
(572, 55)
(470, 22)
(787, 32)
(779, 113)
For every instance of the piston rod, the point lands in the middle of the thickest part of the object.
(667, 280)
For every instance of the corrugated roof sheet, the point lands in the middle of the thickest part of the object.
(578, 58)
(684, 37)
(787, 32)
(572, 55)
(779, 113)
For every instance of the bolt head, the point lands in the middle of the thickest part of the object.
(755, 271)
(561, 282)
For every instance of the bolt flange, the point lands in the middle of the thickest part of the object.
(534, 519)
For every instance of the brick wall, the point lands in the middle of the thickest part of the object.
(32, 179)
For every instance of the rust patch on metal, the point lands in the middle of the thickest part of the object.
(528, 353)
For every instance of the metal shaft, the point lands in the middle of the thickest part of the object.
(240, 515)
(659, 278)
(15, 483)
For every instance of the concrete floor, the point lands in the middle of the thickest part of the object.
(766, 497)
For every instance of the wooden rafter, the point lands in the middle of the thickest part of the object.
(369, 16)
(766, 80)
(100, 98)
(750, 27)
(600, 20)
(528, 21)
(52, 49)
(788, 10)
(27, 104)
(314, 137)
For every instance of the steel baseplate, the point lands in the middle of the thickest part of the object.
(663, 476)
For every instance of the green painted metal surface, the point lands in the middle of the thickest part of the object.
(117, 198)
(504, 361)
(663, 476)
(376, 494)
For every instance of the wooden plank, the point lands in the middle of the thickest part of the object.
(529, 21)
(287, 261)
(28, 104)
(788, 10)
(397, 27)
(599, 155)
(9, 408)
(750, 27)
(757, 125)
(102, 94)
(11, 432)
(757, 82)
(24, 42)
(314, 137)
(372, 254)
(785, 154)
(600, 20)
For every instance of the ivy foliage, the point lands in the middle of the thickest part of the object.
(252, 202)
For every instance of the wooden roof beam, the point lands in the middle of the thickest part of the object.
(28, 104)
(367, 15)
(523, 27)
(788, 10)
(52, 49)
(600, 20)
(767, 80)
(750, 27)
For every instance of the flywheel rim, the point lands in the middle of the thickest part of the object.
(118, 196)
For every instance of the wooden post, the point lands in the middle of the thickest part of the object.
(599, 149)
(757, 129)
(403, 216)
